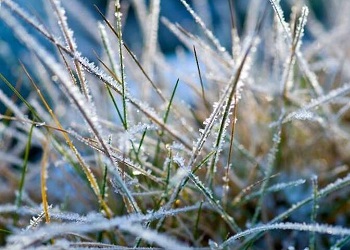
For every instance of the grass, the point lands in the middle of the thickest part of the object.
(247, 151)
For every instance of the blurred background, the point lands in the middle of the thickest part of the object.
(82, 16)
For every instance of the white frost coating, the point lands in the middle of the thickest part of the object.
(153, 236)
(303, 63)
(72, 46)
(277, 187)
(345, 89)
(279, 13)
(301, 26)
(231, 102)
(62, 21)
(151, 37)
(189, 40)
(71, 90)
(318, 228)
(91, 223)
(207, 32)
(109, 50)
(181, 173)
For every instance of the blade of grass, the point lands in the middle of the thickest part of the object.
(158, 91)
(68, 35)
(165, 119)
(118, 15)
(91, 69)
(330, 188)
(24, 167)
(44, 176)
(115, 77)
(230, 153)
(312, 240)
(109, 52)
(85, 167)
(270, 167)
(226, 114)
(200, 76)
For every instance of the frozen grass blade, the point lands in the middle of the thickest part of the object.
(189, 175)
(295, 47)
(207, 32)
(158, 91)
(270, 166)
(118, 16)
(312, 243)
(74, 95)
(245, 195)
(68, 35)
(228, 106)
(230, 153)
(91, 223)
(91, 68)
(153, 236)
(330, 188)
(332, 95)
(317, 228)
(154, 159)
(165, 119)
(303, 64)
(114, 70)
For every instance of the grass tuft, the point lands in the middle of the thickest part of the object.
(114, 145)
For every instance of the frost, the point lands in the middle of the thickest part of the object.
(304, 111)
(152, 236)
(318, 228)
(206, 31)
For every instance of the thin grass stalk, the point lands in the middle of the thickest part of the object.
(138, 64)
(14, 90)
(43, 178)
(209, 34)
(68, 35)
(317, 228)
(165, 119)
(312, 239)
(118, 16)
(84, 166)
(175, 193)
(338, 184)
(200, 76)
(246, 195)
(97, 73)
(196, 231)
(116, 78)
(341, 243)
(295, 47)
(109, 52)
(190, 175)
(270, 166)
(230, 153)
(226, 114)
(24, 167)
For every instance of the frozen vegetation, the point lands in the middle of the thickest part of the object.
(238, 140)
